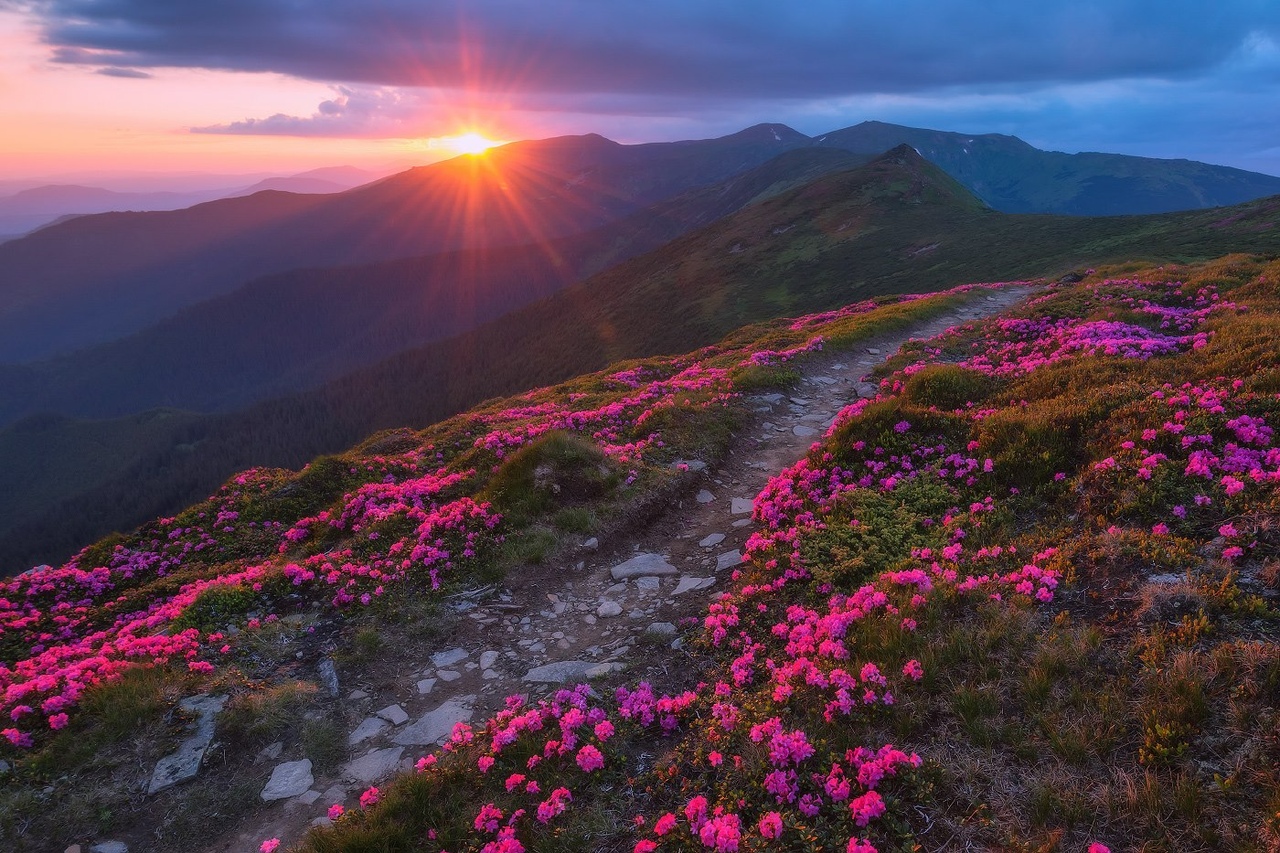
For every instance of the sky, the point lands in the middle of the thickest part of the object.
(282, 86)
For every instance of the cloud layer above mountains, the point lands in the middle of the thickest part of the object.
(676, 62)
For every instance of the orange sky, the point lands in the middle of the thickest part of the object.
(60, 119)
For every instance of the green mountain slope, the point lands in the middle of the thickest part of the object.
(1015, 177)
(895, 225)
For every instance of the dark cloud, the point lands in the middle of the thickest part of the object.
(716, 48)
(1195, 78)
(127, 73)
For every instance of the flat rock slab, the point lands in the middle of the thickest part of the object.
(705, 497)
(434, 726)
(393, 714)
(371, 767)
(110, 847)
(185, 763)
(488, 659)
(741, 506)
(715, 538)
(641, 565)
(561, 671)
(369, 727)
(608, 609)
(649, 583)
(449, 657)
(689, 584)
(803, 431)
(661, 629)
(728, 560)
(291, 779)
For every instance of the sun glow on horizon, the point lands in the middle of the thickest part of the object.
(470, 142)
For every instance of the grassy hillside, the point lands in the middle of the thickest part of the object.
(896, 225)
(1024, 598)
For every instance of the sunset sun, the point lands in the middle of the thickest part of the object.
(467, 143)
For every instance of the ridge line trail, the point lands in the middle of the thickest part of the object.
(574, 613)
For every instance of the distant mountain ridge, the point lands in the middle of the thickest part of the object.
(1015, 177)
(897, 224)
(294, 330)
(98, 278)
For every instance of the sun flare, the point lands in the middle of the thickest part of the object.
(467, 143)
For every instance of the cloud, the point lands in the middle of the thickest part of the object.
(1165, 77)
(354, 112)
(126, 73)
(747, 49)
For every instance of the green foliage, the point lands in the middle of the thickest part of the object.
(873, 531)
(556, 470)
(217, 607)
(260, 715)
(948, 387)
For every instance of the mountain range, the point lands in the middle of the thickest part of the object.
(30, 208)
(99, 278)
(810, 229)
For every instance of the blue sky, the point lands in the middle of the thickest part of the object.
(1168, 79)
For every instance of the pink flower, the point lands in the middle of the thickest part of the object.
(589, 758)
(370, 797)
(771, 825)
(58, 721)
(664, 824)
(336, 811)
(644, 845)
(484, 762)
(1096, 847)
(270, 845)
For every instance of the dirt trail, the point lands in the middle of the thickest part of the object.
(510, 639)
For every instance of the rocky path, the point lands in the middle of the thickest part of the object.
(605, 613)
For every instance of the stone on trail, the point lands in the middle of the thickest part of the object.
(661, 629)
(742, 522)
(185, 763)
(561, 671)
(641, 565)
(648, 583)
(689, 583)
(425, 685)
(716, 538)
(803, 431)
(393, 714)
(328, 677)
(449, 657)
(705, 497)
(373, 766)
(448, 674)
(741, 506)
(608, 609)
(290, 779)
(488, 659)
(110, 847)
(728, 560)
(369, 727)
(434, 726)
